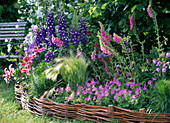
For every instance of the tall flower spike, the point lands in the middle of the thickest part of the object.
(51, 28)
(149, 11)
(131, 22)
(62, 29)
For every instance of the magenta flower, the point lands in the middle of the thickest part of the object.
(57, 90)
(88, 98)
(147, 60)
(100, 95)
(153, 78)
(92, 81)
(164, 66)
(149, 12)
(106, 94)
(130, 92)
(127, 84)
(94, 97)
(90, 92)
(96, 92)
(93, 56)
(131, 22)
(94, 89)
(100, 87)
(112, 92)
(131, 85)
(149, 82)
(137, 90)
(144, 87)
(69, 98)
(53, 95)
(78, 91)
(134, 97)
(116, 39)
(97, 82)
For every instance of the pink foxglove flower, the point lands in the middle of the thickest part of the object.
(93, 56)
(116, 39)
(149, 12)
(57, 41)
(131, 22)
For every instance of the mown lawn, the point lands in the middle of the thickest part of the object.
(12, 112)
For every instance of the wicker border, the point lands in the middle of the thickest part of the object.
(83, 111)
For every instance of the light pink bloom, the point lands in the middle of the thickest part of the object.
(79, 53)
(134, 97)
(57, 41)
(149, 12)
(131, 22)
(93, 56)
(69, 98)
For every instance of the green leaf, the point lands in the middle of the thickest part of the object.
(139, 6)
(104, 6)
(132, 10)
(70, 15)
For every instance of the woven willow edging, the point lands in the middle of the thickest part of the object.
(83, 111)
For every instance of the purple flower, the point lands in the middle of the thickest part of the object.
(128, 75)
(127, 84)
(163, 70)
(164, 66)
(158, 63)
(100, 95)
(88, 98)
(154, 61)
(158, 69)
(144, 87)
(94, 88)
(49, 56)
(97, 82)
(167, 55)
(153, 78)
(134, 97)
(137, 84)
(88, 84)
(149, 82)
(131, 85)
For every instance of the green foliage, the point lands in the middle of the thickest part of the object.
(42, 83)
(8, 11)
(160, 99)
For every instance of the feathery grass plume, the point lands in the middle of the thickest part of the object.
(73, 69)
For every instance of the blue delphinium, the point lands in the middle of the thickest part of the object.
(37, 39)
(50, 28)
(49, 56)
(44, 35)
(62, 29)
(75, 35)
(83, 31)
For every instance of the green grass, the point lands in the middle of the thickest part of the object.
(12, 112)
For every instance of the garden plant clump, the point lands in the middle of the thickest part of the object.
(67, 58)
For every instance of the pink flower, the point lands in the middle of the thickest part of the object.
(116, 39)
(93, 56)
(149, 82)
(94, 97)
(149, 12)
(131, 22)
(57, 41)
(134, 97)
(79, 53)
(69, 98)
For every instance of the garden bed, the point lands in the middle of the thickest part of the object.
(82, 111)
